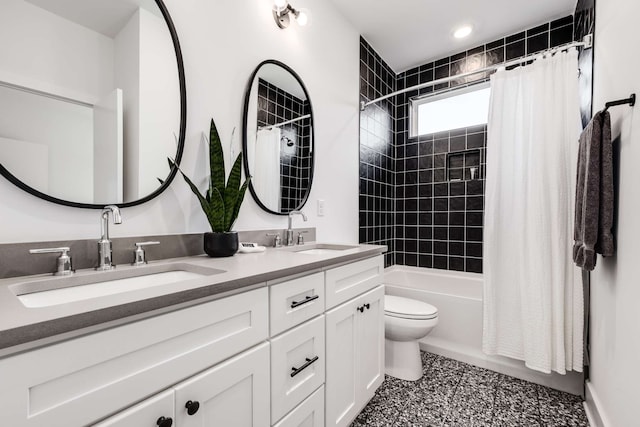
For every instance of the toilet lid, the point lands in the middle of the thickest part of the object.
(408, 308)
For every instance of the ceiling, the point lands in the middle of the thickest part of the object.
(408, 33)
(106, 18)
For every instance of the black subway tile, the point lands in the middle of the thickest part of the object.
(515, 37)
(440, 262)
(440, 248)
(515, 50)
(537, 43)
(567, 20)
(561, 36)
(456, 263)
(537, 30)
(473, 265)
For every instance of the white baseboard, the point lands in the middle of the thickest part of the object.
(593, 408)
(570, 383)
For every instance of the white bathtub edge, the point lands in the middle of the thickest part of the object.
(514, 368)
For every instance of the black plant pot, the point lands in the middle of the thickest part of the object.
(221, 244)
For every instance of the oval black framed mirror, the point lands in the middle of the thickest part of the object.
(92, 100)
(278, 138)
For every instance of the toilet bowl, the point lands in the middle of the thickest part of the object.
(405, 322)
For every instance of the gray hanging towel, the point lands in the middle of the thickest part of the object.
(594, 194)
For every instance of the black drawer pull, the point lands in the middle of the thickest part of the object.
(367, 306)
(307, 299)
(192, 407)
(164, 422)
(309, 362)
(360, 309)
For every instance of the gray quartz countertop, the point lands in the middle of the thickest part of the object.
(23, 328)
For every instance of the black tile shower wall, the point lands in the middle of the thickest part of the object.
(276, 106)
(585, 23)
(439, 208)
(377, 181)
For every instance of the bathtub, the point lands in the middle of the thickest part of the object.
(458, 298)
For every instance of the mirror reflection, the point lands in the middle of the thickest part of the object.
(278, 138)
(90, 101)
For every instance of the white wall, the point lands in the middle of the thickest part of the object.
(223, 41)
(615, 286)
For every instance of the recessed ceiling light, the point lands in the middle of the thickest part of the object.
(462, 32)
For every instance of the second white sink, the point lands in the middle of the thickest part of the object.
(320, 249)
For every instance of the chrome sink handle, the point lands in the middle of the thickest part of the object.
(301, 237)
(277, 240)
(139, 253)
(64, 260)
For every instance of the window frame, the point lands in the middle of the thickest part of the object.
(416, 101)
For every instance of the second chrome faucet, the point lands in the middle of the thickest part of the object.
(289, 233)
(104, 244)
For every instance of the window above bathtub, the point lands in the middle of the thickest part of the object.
(455, 109)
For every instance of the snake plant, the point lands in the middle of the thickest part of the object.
(221, 203)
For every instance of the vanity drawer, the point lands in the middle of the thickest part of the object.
(80, 381)
(295, 301)
(297, 366)
(351, 280)
(309, 413)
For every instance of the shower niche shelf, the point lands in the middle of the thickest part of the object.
(464, 165)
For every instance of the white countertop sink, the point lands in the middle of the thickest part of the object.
(52, 291)
(320, 249)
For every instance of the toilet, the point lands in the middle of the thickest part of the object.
(405, 322)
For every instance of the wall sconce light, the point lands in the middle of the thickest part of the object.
(282, 11)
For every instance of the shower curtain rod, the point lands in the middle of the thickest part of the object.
(277, 125)
(587, 43)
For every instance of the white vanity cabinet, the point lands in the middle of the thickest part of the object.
(306, 351)
(83, 380)
(355, 339)
(232, 394)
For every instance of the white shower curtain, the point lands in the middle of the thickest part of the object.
(265, 172)
(533, 302)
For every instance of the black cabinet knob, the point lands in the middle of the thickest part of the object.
(192, 407)
(164, 422)
(360, 309)
(368, 306)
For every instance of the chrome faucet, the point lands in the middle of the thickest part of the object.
(104, 244)
(289, 233)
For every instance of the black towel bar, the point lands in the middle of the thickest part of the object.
(630, 101)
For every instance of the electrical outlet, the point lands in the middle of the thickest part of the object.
(320, 207)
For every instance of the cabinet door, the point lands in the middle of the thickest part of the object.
(232, 394)
(342, 364)
(145, 414)
(371, 345)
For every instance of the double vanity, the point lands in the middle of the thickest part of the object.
(264, 339)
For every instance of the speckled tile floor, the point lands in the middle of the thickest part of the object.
(453, 393)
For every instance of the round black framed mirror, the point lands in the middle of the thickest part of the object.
(278, 138)
(92, 100)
